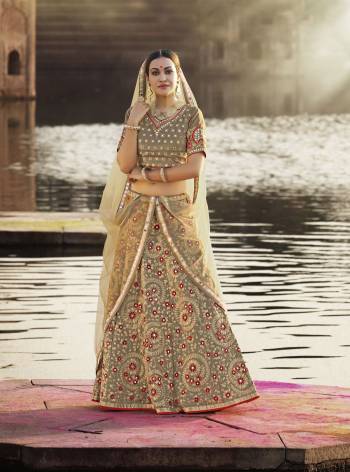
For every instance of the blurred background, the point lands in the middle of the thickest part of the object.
(272, 79)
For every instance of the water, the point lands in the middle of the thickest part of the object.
(279, 199)
(293, 161)
(287, 294)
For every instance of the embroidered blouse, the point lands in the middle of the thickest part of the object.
(170, 141)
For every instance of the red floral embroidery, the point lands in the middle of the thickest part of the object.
(195, 139)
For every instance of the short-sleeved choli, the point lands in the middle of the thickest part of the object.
(196, 140)
(169, 142)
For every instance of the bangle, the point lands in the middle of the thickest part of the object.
(131, 127)
(144, 175)
(162, 174)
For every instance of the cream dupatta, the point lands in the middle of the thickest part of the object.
(112, 201)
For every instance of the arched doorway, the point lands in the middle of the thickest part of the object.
(13, 63)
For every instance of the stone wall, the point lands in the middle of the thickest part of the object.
(17, 48)
(112, 33)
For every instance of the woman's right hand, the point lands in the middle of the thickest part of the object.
(137, 112)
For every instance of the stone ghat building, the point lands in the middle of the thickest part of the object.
(17, 48)
(267, 44)
(232, 36)
(113, 34)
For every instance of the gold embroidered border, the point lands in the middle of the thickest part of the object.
(182, 260)
(164, 123)
(131, 273)
(184, 409)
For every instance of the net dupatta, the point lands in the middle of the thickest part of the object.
(116, 187)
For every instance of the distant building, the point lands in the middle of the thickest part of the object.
(254, 37)
(113, 34)
(250, 56)
(17, 48)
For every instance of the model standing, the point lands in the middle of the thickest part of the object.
(163, 339)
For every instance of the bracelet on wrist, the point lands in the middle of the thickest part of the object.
(144, 175)
(162, 174)
(136, 127)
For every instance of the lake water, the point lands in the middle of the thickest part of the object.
(279, 200)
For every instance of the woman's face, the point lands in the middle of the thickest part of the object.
(162, 76)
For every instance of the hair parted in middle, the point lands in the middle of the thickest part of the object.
(162, 53)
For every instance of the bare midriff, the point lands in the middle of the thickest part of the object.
(159, 188)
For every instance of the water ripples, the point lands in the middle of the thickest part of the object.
(287, 295)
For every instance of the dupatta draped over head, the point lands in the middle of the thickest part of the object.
(112, 197)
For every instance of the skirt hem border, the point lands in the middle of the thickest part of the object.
(220, 406)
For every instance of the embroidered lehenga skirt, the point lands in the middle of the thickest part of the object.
(169, 347)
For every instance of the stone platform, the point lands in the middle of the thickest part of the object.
(51, 228)
(53, 425)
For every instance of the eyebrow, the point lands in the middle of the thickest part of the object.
(166, 67)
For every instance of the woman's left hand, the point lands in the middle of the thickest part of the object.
(135, 174)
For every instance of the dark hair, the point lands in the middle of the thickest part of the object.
(163, 53)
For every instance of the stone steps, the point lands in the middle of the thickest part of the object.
(53, 228)
(93, 34)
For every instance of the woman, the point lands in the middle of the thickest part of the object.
(163, 340)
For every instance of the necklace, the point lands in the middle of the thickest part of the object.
(162, 115)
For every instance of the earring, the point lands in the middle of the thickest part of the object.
(150, 88)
